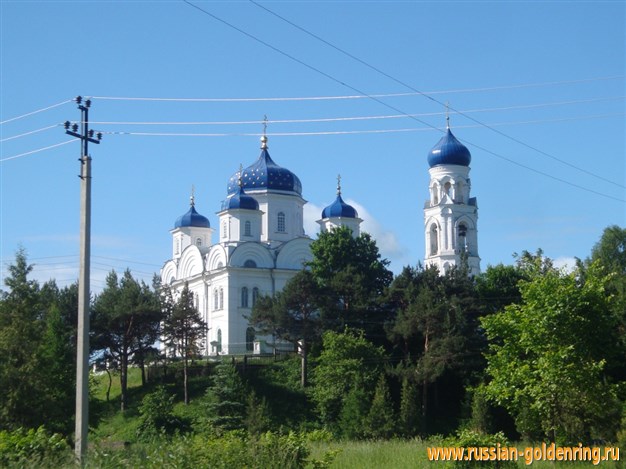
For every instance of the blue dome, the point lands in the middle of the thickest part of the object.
(339, 209)
(449, 151)
(240, 200)
(192, 218)
(265, 174)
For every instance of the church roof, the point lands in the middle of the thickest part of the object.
(192, 218)
(265, 174)
(240, 200)
(339, 209)
(449, 151)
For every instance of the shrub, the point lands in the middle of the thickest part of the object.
(157, 414)
(473, 439)
(33, 448)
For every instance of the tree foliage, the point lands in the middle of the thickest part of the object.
(226, 399)
(354, 277)
(37, 352)
(125, 320)
(548, 354)
(435, 331)
(184, 330)
(347, 360)
(293, 315)
(381, 419)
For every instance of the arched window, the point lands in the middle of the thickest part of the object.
(224, 229)
(219, 341)
(250, 264)
(462, 238)
(247, 230)
(221, 298)
(255, 295)
(434, 242)
(250, 333)
(435, 190)
(198, 242)
(458, 192)
(447, 187)
(280, 225)
(244, 297)
(216, 304)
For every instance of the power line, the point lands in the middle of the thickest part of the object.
(360, 96)
(352, 132)
(36, 112)
(35, 151)
(29, 133)
(358, 118)
(376, 69)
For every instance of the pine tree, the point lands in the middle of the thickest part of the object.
(21, 329)
(381, 419)
(409, 408)
(354, 413)
(257, 418)
(184, 330)
(226, 399)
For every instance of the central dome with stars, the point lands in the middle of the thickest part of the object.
(264, 174)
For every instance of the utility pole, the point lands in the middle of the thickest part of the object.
(86, 135)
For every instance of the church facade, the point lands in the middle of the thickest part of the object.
(260, 241)
(261, 244)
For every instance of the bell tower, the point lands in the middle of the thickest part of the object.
(450, 214)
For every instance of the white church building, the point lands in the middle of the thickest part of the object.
(261, 244)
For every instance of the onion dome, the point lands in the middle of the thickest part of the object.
(339, 208)
(239, 199)
(449, 151)
(264, 174)
(192, 218)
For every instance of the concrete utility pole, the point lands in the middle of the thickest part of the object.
(82, 339)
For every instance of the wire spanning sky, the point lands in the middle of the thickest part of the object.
(180, 91)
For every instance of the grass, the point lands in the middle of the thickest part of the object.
(409, 454)
(100, 383)
(397, 454)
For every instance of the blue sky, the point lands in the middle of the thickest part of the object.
(548, 76)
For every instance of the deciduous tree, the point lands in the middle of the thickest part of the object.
(547, 356)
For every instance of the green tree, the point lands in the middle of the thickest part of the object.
(124, 319)
(183, 329)
(21, 328)
(381, 419)
(409, 408)
(610, 254)
(257, 419)
(226, 399)
(435, 330)
(353, 276)
(347, 360)
(57, 358)
(547, 356)
(354, 412)
(293, 315)
(37, 352)
(497, 287)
